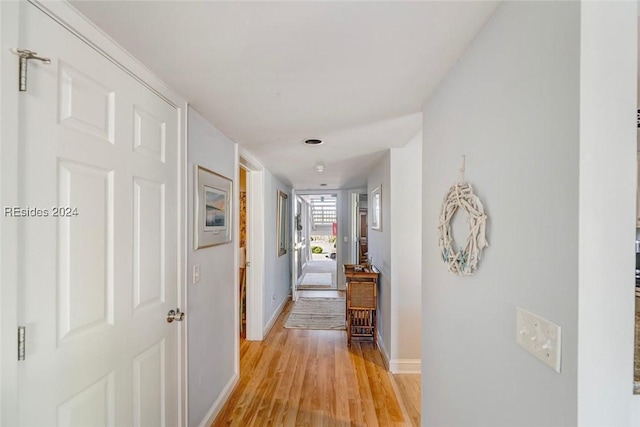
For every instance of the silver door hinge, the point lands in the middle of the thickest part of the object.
(21, 343)
(26, 55)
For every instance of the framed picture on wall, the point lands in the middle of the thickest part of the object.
(376, 208)
(282, 227)
(212, 208)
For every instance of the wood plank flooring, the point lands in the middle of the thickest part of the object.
(408, 387)
(298, 377)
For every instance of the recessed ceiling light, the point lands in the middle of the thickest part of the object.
(313, 142)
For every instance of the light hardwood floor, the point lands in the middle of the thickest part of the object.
(408, 388)
(298, 377)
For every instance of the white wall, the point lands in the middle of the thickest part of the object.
(212, 303)
(511, 105)
(277, 268)
(406, 256)
(396, 251)
(608, 100)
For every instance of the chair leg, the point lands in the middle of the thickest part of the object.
(373, 329)
(348, 328)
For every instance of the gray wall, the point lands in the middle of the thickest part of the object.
(211, 303)
(511, 105)
(277, 283)
(380, 248)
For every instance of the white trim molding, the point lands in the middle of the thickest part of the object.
(383, 351)
(255, 270)
(69, 17)
(405, 366)
(399, 366)
(9, 196)
(273, 319)
(220, 401)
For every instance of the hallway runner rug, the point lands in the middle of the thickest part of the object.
(317, 313)
(316, 281)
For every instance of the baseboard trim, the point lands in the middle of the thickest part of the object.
(220, 401)
(275, 316)
(405, 366)
(383, 351)
(398, 366)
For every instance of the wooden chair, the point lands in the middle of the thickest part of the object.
(361, 309)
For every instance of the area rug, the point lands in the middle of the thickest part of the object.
(317, 313)
(316, 281)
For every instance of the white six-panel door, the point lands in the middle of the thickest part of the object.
(96, 287)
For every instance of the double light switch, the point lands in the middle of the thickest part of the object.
(539, 337)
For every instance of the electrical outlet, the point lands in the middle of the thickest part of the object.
(273, 297)
(539, 337)
(196, 273)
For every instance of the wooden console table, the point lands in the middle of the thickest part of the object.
(362, 301)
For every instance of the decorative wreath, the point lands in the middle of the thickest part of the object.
(465, 261)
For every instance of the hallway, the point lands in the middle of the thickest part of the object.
(309, 377)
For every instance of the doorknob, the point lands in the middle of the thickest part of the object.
(176, 315)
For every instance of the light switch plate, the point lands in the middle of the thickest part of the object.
(539, 337)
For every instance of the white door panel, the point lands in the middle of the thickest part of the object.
(96, 287)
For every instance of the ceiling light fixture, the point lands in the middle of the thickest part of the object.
(313, 142)
(319, 167)
(323, 185)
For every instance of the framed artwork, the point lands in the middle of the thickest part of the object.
(282, 229)
(376, 209)
(212, 208)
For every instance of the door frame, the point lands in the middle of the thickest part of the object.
(354, 205)
(69, 19)
(255, 270)
(9, 34)
(292, 245)
(296, 247)
(342, 253)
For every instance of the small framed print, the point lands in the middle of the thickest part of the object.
(212, 210)
(376, 208)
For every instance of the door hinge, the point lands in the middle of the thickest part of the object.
(25, 55)
(21, 343)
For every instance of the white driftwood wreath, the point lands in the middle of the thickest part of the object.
(465, 261)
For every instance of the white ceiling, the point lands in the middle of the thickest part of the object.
(272, 74)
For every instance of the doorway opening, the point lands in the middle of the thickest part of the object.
(254, 258)
(316, 241)
(242, 251)
(362, 229)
